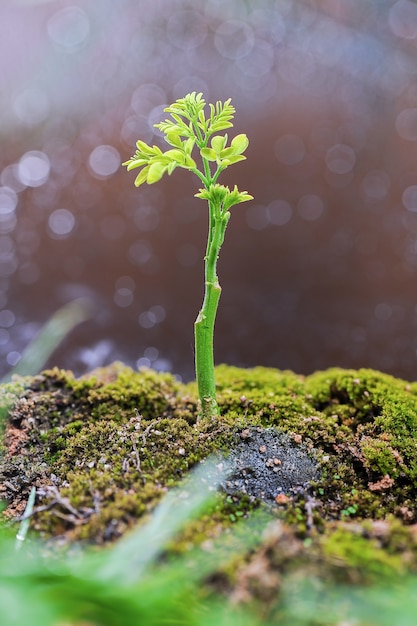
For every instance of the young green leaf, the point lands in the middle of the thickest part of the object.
(189, 145)
(220, 194)
(208, 153)
(142, 176)
(232, 159)
(218, 143)
(239, 143)
(143, 147)
(155, 173)
(173, 139)
(133, 163)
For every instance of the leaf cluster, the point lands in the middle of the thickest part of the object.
(189, 117)
(221, 196)
(190, 125)
(155, 163)
(222, 155)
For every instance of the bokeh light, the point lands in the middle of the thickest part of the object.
(320, 269)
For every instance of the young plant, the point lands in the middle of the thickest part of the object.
(191, 127)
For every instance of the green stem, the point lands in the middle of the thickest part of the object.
(204, 324)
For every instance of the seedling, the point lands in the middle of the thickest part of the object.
(189, 128)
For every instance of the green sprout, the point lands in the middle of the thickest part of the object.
(190, 128)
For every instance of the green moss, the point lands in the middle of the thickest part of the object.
(379, 456)
(10, 393)
(148, 393)
(350, 554)
(103, 449)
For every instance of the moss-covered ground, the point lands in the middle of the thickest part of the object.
(330, 459)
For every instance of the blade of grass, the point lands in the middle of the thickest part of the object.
(50, 336)
(133, 554)
(24, 524)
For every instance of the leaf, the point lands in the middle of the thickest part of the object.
(133, 163)
(209, 154)
(143, 147)
(220, 126)
(155, 172)
(189, 145)
(218, 143)
(220, 116)
(173, 139)
(177, 118)
(227, 152)
(202, 117)
(239, 143)
(232, 159)
(176, 155)
(244, 196)
(220, 194)
(171, 167)
(189, 162)
(204, 194)
(216, 193)
(141, 177)
(181, 158)
(168, 127)
(236, 197)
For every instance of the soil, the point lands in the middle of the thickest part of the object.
(329, 460)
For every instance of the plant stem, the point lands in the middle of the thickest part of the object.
(204, 324)
(190, 127)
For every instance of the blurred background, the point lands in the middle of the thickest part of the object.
(319, 270)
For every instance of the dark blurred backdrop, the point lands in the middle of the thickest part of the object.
(319, 270)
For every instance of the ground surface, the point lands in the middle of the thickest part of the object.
(329, 460)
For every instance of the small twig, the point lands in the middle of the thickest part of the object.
(147, 431)
(64, 502)
(58, 499)
(96, 498)
(309, 506)
(76, 520)
(26, 515)
(9, 485)
(137, 457)
(138, 415)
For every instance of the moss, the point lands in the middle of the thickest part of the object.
(103, 449)
(350, 553)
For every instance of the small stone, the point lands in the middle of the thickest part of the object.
(245, 433)
(262, 449)
(381, 485)
(181, 451)
(281, 498)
